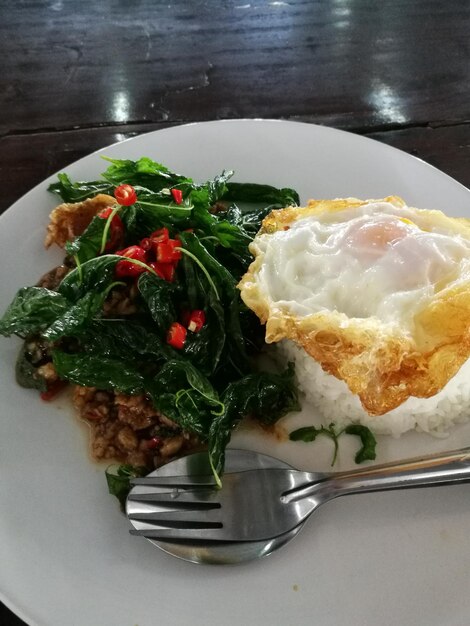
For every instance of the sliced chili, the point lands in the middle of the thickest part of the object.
(177, 195)
(164, 270)
(166, 252)
(125, 195)
(126, 268)
(176, 335)
(162, 234)
(197, 319)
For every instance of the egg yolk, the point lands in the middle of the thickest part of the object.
(371, 239)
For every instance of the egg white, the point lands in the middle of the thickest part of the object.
(327, 262)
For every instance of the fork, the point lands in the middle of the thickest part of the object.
(260, 504)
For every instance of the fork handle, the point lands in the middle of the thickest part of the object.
(427, 471)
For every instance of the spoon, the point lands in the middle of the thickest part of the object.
(223, 552)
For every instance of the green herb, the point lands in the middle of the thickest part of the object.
(263, 396)
(187, 397)
(93, 370)
(77, 192)
(159, 296)
(78, 317)
(32, 310)
(366, 452)
(144, 173)
(254, 192)
(88, 244)
(119, 339)
(119, 480)
(94, 275)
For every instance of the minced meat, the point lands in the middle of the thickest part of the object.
(128, 429)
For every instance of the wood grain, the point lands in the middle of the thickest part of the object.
(347, 64)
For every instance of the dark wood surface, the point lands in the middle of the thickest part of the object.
(78, 76)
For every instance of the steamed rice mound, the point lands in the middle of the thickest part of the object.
(335, 403)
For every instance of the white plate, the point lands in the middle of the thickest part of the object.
(65, 552)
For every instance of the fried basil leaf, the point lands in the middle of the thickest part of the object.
(187, 397)
(368, 441)
(88, 245)
(32, 310)
(119, 480)
(79, 191)
(94, 275)
(263, 396)
(93, 370)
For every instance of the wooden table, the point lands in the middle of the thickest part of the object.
(78, 76)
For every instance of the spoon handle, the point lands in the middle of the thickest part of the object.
(427, 471)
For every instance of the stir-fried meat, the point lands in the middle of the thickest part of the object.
(128, 429)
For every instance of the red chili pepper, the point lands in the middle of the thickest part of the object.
(153, 443)
(160, 235)
(165, 251)
(125, 195)
(157, 269)
(169, 271)
(125, 269)
(146, 244)
(176, 335)
(53, 389)
(105, 213)
(164, 270)
(133, 252)
(116, 229)
(197, 319)
(177, 195)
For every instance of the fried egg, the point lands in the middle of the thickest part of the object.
(375, 291)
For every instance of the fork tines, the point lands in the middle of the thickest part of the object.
(183, 482)
(177, 499)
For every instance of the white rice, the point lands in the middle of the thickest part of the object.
(333, 400)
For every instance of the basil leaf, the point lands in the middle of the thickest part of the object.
(32, 310)
(88, 245)
(249, 221)
(368, 441)
(219, 274)
(93, 370)
(77, 192)
(205, 348)
(95, 274)
(78, 316)
(254, 192)
(158, 295)
(144, 172)
(119, 480)
(118, 339)
(264, 396)
(183, 394)
(306, 434)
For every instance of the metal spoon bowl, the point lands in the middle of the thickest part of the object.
(224, 552)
